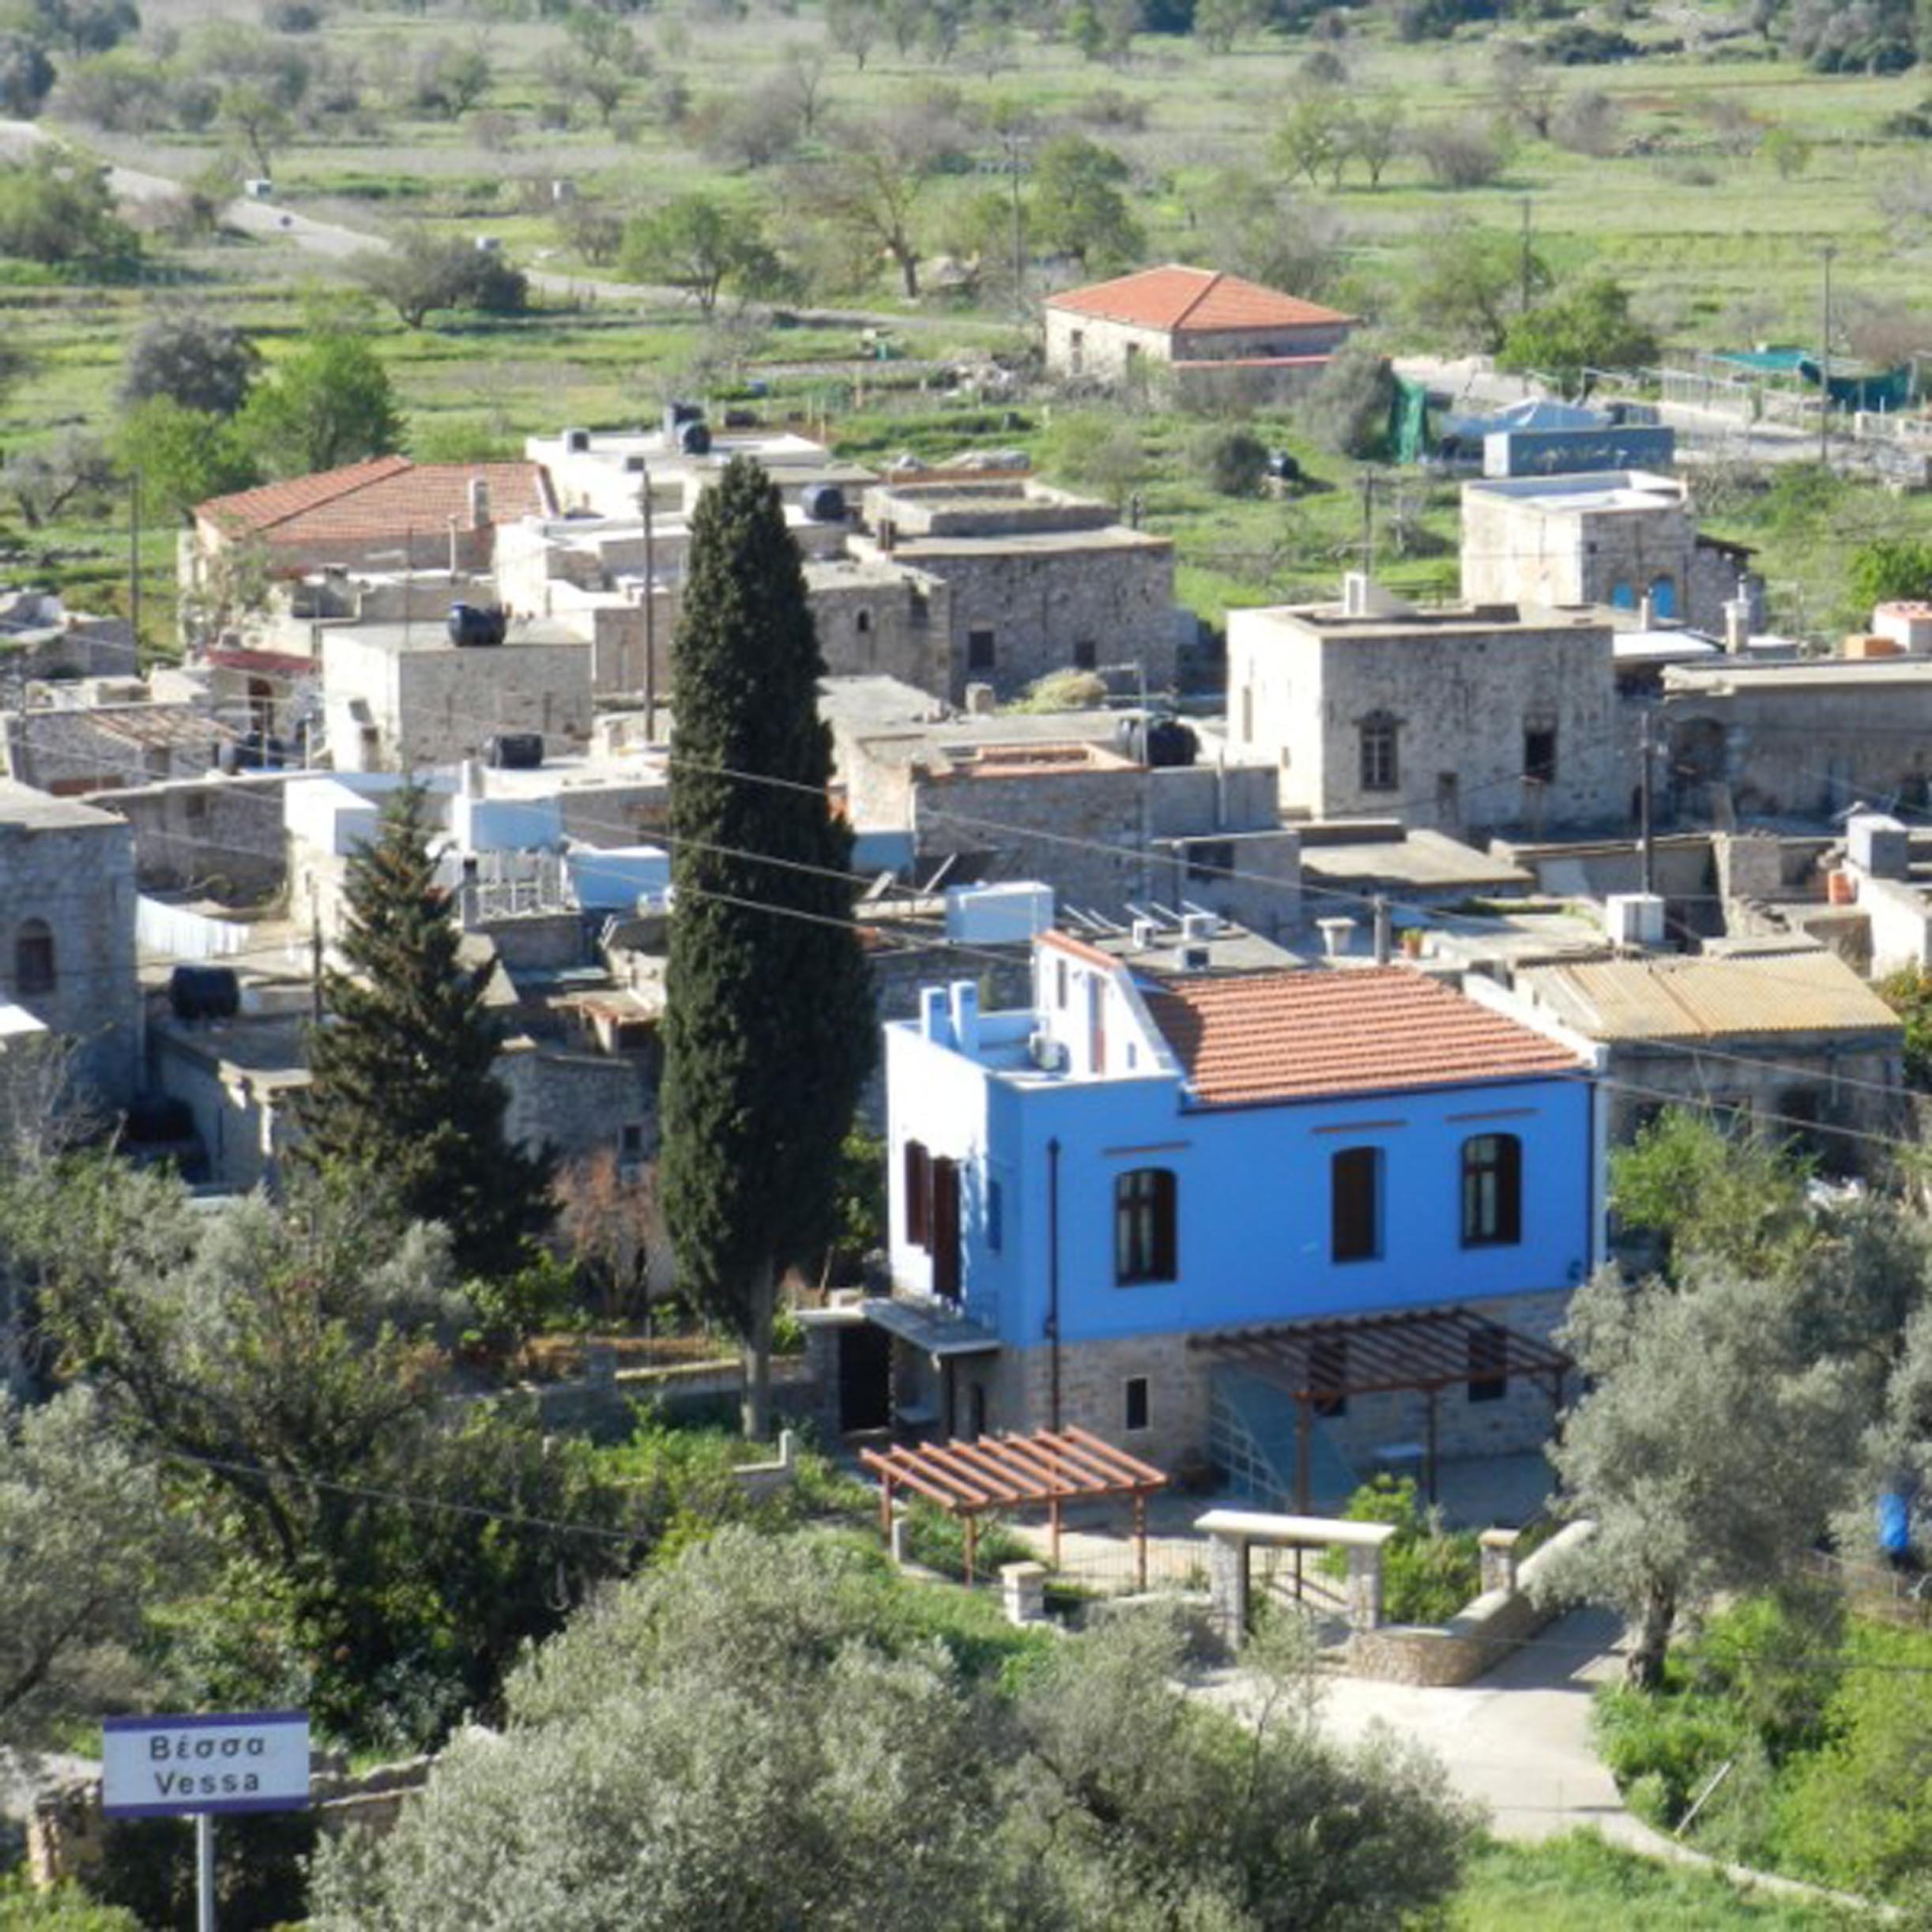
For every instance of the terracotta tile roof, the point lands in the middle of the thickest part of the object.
(1288, 1036)
(1079, 949)
(383, 497)
(1182, 300)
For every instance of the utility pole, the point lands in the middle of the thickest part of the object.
(1526, 256)
(1824, 365)
(650, 606)
(1647, 842)
(1368, 523)
(134, 557)
(315, 955)
(1019, 252)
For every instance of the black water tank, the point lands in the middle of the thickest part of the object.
(1163, 742)
(693, 439)
(203, 993)
(823, 503)
(471, 624)
(515, 751)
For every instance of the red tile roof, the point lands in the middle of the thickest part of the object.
(1288, 1036)
(383, 497)
(1184, 300)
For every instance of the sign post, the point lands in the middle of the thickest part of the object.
(201, 1766)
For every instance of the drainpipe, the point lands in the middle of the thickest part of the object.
(1052, 1278)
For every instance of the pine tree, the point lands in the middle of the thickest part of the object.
(403, 1090)
(768, 1023)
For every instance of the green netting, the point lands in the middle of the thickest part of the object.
(1408, 420)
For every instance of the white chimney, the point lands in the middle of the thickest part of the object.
(1335, 935)
(1737, 625)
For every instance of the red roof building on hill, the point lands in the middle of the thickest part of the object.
(1201, 318)
(376, 514)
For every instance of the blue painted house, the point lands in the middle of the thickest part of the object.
(1139, 1204)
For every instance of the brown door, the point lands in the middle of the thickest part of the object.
(946, 1229)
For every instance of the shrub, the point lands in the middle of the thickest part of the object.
(1346, 409)
(1459, 154)
(936, 1538)
(1576, 44)
(1427, 1573)
(1231, 462)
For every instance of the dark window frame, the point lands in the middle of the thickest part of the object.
(918, 1184)
(982, 648)
(1379, 752)
(1146, 1246)
(1355, 1205)
(1136, 1403)
(1489, 1363)
(1492, 1191)
(36, 968)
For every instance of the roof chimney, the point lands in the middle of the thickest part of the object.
(479, 503)
(1737, 625)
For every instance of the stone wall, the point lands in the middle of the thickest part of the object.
(878, 622)
(72, 870)
(217, 835)
(580, 1103)
(1130, 825)
(1463, 697)
(1477, 1638)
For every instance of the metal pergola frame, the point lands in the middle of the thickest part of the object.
(1421, 1351)
(1051, 1467)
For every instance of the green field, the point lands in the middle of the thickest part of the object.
(1718, 245)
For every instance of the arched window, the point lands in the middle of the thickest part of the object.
(1663, 596)
(33, 957)
(1144, 1244)
(1492, 1190)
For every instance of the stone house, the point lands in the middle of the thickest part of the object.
(67, 917)
(1483, 715)
(1626, 538)
(1793, 1040)
(1112, 835)
(1037, 581)
(387, 511)
(1189, 321)
(1094, 1197)
(109, 738)
(1802, 739)
(397, 697)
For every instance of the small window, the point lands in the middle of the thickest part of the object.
(33, 957)
(1085, 654)
(1355, 1204)
(1210, 858)
(918, 1175)
(1381, 769)
(1489, 1363)
(1144, 1226)
(996, 1215)
(1136, 1417)
(1622, 597)
(1492, 1191)
(630, 1137)
(1539, 753)
(862, 623)
(979, 650)
(1328, 1375)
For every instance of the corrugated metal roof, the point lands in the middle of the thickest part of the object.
(1699, 999)
(1290, 1036)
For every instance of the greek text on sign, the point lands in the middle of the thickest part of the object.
(158, 1767)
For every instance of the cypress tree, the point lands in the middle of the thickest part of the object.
(768, 1023)
(403, 1092)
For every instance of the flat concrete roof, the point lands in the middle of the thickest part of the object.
(1740, 674)
(1030, 542)
(22, 807)
(429, 634)
(1421, 858)
(1595, 491)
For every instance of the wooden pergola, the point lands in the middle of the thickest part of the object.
(1050, 1466)
(1421, 1351)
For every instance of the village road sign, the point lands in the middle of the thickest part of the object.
(162, 1767)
